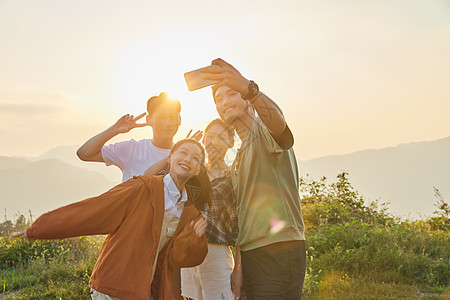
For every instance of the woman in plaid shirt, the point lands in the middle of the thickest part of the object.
(213, 279)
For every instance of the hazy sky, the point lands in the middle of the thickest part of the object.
(349, 75)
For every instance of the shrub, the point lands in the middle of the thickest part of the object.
(347, 236)
(49, 269)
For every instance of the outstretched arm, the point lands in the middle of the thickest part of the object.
(91, 150)
(97, 215)
(269, 112)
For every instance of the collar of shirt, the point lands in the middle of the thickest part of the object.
(173, 200)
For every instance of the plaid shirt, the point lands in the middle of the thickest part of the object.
(221, 215)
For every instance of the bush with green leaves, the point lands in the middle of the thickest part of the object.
(338, 203)
(346, 235)
(19, 251)
(60, 271)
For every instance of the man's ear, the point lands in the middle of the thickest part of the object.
(179, 120)
(149, 120)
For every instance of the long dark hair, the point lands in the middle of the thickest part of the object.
(198, 187)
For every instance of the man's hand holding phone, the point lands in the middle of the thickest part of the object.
(225, 75)
(194, 80)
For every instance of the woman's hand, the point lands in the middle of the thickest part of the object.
(19, 234)
(199, 226)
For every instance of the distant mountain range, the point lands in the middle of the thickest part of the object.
(68, 155)
(404, 176)
(44, 185)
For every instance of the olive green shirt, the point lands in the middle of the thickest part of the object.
(265, 178)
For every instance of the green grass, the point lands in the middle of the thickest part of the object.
(339, 285)
(62, 275)
(389, 262)
(355, 250)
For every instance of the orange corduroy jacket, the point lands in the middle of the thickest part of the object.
(131, 214)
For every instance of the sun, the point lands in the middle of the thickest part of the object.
(147, 67)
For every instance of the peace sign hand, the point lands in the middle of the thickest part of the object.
(196, 136)
(128, 122)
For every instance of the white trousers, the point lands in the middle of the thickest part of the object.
(211, 279)
(96, 295)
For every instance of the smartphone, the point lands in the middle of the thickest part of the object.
(194, 80)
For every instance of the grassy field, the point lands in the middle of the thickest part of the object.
(355, 250)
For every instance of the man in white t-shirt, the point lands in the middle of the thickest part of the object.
(134, 157)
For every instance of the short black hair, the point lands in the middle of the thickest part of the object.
(162, 100)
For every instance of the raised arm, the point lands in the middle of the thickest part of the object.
(91, 150)
(269, 112)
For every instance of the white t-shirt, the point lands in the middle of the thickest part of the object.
(133, 157)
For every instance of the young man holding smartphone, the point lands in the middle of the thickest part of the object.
(134, 157)
(265, 179)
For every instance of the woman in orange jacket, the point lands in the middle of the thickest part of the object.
(151, 225)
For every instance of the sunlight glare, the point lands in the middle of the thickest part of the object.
(148, 67)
